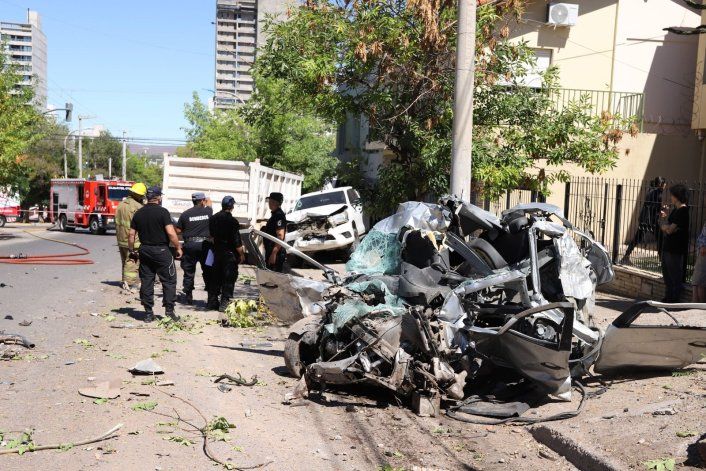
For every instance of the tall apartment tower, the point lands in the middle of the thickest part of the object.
(26, 46)
(238, 35)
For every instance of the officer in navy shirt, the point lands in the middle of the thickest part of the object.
(277, 227)
(228, 254)
(193, 227)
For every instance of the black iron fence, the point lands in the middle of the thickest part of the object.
(623, 214)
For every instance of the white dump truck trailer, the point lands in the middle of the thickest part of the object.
(249, 183)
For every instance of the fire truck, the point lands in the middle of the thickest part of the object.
(9, 209)
(90, 204)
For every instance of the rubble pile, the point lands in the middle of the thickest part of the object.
(447, 302)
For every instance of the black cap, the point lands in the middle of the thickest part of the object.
(228, 202)
(276, 196)
(153, 192)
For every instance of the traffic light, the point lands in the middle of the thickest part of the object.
(69, 111)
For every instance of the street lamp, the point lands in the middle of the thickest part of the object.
(216, 93)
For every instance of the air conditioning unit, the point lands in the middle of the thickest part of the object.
(562, 14)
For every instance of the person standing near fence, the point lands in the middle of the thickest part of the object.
(648, 221)
(698, 280)
(675, 246)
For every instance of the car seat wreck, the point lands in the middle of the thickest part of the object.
(446, 300)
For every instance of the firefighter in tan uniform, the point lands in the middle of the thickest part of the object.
(123, 218)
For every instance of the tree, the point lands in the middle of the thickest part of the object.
(140, 169)
(288, 137)
(98, 152)
(221, 134)
(44, 160)
(20, 125)
(392, 62)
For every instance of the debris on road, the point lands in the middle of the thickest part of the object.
(146, 367)
(103, 390)
(15, 339)
(447, 302)
(240, 381)
(25, 323)
(31, 447)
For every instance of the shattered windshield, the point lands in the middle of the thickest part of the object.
(313, 201)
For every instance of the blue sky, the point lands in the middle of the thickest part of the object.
(131, 63)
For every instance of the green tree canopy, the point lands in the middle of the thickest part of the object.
(392, 62)
(20, 125)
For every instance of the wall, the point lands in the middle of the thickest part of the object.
(699, 110)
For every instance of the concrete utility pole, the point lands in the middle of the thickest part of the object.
(461, 161)
(124, 157)
(80, 143)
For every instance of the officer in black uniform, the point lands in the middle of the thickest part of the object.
(193, 226)
(228, 253)
(154, 226)
(277, 227)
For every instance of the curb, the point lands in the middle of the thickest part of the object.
(584, 458)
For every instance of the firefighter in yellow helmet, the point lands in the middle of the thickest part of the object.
(123, 217)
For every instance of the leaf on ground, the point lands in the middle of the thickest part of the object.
(237, 448)
(664, 464)
(117, 356)
(110, 318)
(686, 433)
(99, 401)
(680, 373)
(149, 405)
(66, 447)
(156, 355)
(84, 343)
(180, 440)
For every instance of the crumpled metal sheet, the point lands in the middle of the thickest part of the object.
(291, 298)
(417, 215)
(574, 269)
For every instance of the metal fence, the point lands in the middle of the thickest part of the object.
(623, 215)
(625, 104)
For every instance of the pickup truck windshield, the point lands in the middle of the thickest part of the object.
(313, 201)
(117, 193)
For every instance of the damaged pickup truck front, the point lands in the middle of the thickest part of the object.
(448, 302)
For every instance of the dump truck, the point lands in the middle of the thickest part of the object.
(249, 183)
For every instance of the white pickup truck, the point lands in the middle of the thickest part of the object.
(326, 220)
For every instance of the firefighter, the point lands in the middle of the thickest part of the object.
(153, 224)
(228, 253)
(123, 217)
(277, 227)
(193, 225)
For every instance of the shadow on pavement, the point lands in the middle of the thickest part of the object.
(131, 312)
(272, 353)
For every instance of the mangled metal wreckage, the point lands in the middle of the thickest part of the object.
(443, 300)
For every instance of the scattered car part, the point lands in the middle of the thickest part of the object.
(146, 367)
(15, 339)
(103, 390)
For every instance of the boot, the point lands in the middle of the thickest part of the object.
(224, 305)
(187, 298)
(149, 314)
(213, 303)
(170, 312)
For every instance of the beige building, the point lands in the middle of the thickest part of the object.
(239, 33)
(26, 46)
(616, 52)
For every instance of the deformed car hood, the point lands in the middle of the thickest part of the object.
(327, 210)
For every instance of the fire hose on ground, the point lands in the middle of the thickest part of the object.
(49, 259)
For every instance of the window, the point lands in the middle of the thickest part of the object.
(533, 78)
(314, 201)
(118, 193)
(353, 196)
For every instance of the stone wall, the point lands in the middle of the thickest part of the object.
(639, 284)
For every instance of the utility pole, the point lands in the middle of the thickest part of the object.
(124, 157)
(461, 161)
(110, 168)
(80, 143)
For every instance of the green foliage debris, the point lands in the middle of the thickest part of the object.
(241, 314)
(664, 464)
(148, 405)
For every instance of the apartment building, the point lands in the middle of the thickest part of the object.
(26, 46)
(239, 32)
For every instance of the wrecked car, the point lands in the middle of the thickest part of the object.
(326, 220)
(445, 300)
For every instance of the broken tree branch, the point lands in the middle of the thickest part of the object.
(105, 436)
(204, 433)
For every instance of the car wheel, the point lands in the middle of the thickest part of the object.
(300, 349)
(63, 226)
(3, 220)
(94, 226)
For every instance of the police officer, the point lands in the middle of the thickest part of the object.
(193, 225)
(154, 226)
(123, 218)
(228, 253)
(277, 227)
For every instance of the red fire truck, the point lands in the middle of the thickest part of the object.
(9, 209)
(85, 203)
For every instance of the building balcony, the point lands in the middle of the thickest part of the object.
(628, 105)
